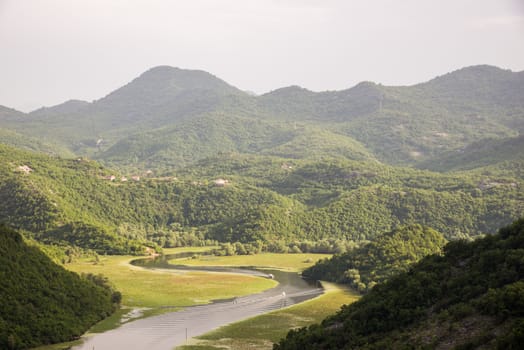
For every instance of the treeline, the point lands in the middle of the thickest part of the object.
(327, 246)
(41, 302)
(372, 263)
(478, 286)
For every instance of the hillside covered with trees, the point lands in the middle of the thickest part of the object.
(297, 170)
(471, 296)
(171, 118)
(41, 302)
(372, 263)
(278, 204)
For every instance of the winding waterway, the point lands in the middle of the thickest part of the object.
(164, 332)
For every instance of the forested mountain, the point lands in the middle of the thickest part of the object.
(300, 166)
(384, 257)
(176, 146)
(41, 302)
(471, 297)
(280, 203)
(68, 107)
(397, 125)
(159, 97)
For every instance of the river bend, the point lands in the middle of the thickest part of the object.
(166, 331)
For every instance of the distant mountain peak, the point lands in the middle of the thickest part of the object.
(69, 106)
(366, 83)
(473, 74)
(481, 68)
(163, 83)
(184, 79)
(168, 72)
(364, 86)
(290, 91)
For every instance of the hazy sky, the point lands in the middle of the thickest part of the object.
(55, 50)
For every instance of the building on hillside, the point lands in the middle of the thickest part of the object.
(220, 182)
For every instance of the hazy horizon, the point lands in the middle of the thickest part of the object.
(61, 50)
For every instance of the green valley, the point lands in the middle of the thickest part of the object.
(378, 177)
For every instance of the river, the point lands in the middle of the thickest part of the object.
(166, 331)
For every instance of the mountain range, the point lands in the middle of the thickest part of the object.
(300, 166)
(169, 118)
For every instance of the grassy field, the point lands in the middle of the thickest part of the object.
(168, 288)
(260, 332)
(287, 262)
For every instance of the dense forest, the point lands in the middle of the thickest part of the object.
(372, 263)
(271, 203)
(41, 302)
(471, 296)
(297, 170)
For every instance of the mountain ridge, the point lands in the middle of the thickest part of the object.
(398, 125)
(164, 68)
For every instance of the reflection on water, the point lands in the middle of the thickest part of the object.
(166, 331)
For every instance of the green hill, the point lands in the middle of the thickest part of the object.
(269, 199)
(375, 262)
(74, 201)
(359, 200)
(41, 302)
(161, 96)
(206, 136)
(397, 125)
(68, 107)
(471, 297)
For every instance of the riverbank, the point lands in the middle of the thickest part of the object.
(165, 331)
(262, 331)
(163, 289)
(285, 262)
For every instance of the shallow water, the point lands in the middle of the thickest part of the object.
(166, 331)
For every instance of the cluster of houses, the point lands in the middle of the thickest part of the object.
(125, 178)
(218, 182)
